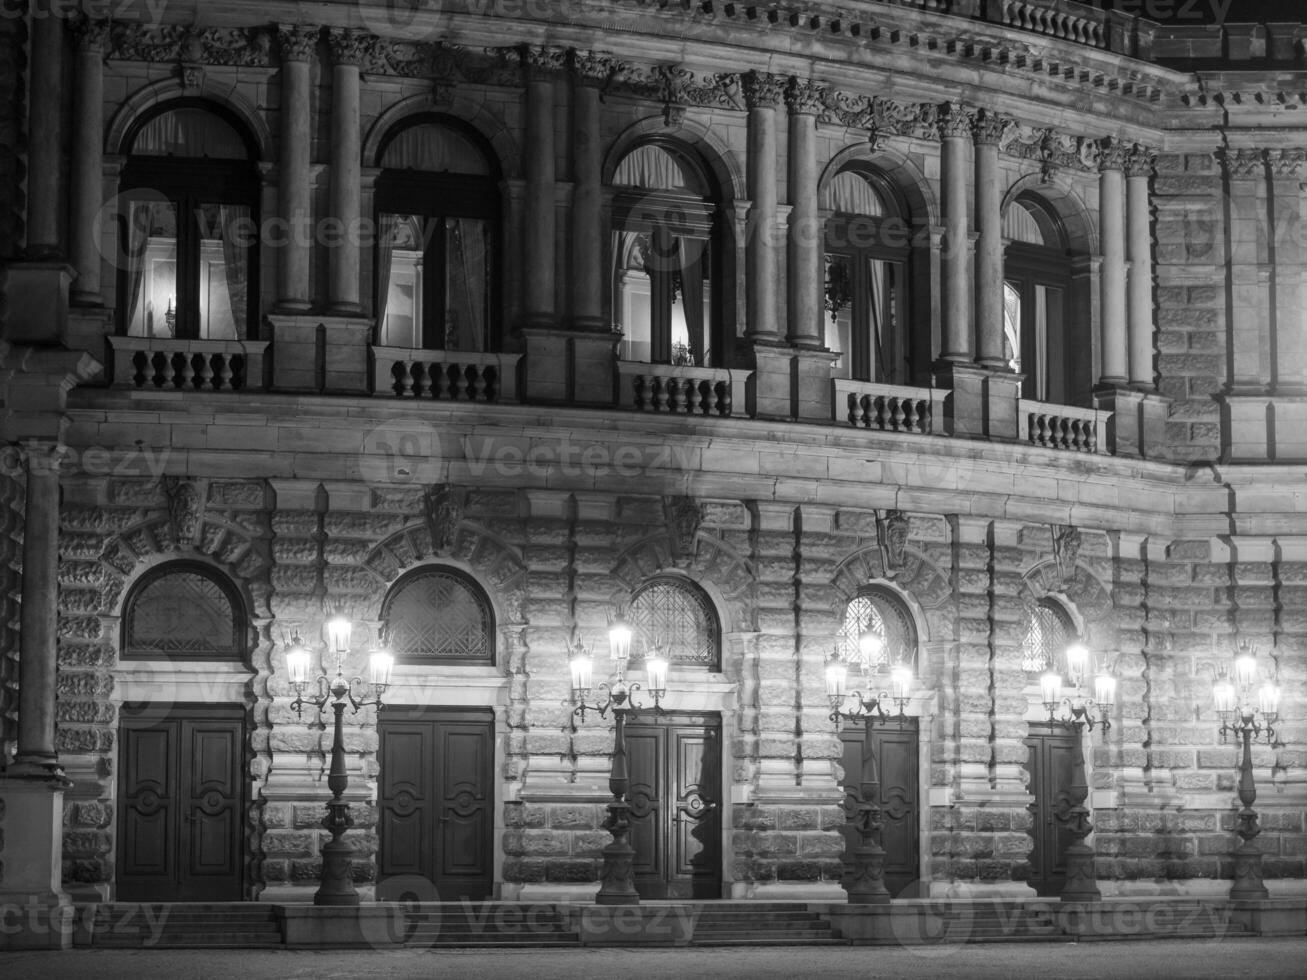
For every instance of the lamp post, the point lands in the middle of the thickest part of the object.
(865, 881)
(336, 888)
(1076, 713)
(617, 877)
(1239, 702)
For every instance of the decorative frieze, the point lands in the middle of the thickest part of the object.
(234, 46)
(1244, 163)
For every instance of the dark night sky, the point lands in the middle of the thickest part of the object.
(1212, 11)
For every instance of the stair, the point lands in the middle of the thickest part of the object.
(197, 925)
(486, 925)
(760, 924)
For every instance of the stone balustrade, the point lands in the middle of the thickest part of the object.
(1078, 22)
(444, 375)
(677, 389)
(170, 364)
(1078, 430)
(889, 408)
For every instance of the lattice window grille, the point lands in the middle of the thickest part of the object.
(182, 614)
(887, 619)
(439, 616)
(676, 618)
(1047, 634)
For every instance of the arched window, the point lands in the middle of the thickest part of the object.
(188, 230)
(1048, 631)
(184, 611)
(437, 204)
(674, 615)
(666, 268)
(867, 278)
(879, 611)
(1037, 281)
(439, 616)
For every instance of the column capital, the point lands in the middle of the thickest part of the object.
(990, 127)
(1286, 164)
(351, 47)
(1112, 154)
(955, 120)
(761, 90)
(1244, 162)
(591, 68)
(804, 97)
(1140, 161)
(542, 64)
(298, 42)
(42, 457)
(89, 35)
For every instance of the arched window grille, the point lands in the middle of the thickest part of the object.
(184, 612)
(675, 616)
(1048, 631)
(439, 615)
(885, 614)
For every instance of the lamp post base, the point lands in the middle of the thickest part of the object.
(1081, 885)
(1248, 885)
(865, 883)
(617, 878)
(337, 886)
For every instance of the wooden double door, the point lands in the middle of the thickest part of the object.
(181, 800)
(435, 802)
(1051, 764)
(894, 756)
(676, 807)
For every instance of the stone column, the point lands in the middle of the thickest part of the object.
(539, 67)
(806, 238)
(298, 45)
(45, 137)
(762, 93)
(88, 161)
(38, 641)
(348, 50)
(589, 72)
(1289, 366)
(1111, 209)
(955, 130)
(989, 129)
(1138, 169)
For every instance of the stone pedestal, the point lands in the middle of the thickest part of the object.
(790, 382)
(37, 296)
(984, 404)
(1246, 427)
(569, 367)
(320, 354)
(1138, 426)
(36, 912)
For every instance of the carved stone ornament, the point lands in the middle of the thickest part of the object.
(184, 505)
(1140, 161)
(592, 68)
(991, 128)
(232, 46)
(762, 90)
(1112, 153)
(298, 42)
(1244, 163)
(803, 96)
(1053, 150)
(956, 119)
(684, 515)
(353, 48)
(892, 530)
(1066, 552)
(90, 35)
(1285, 164)
(444, 512)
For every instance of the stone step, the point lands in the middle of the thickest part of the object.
(768, 939)
(770, 927)
(198, 940)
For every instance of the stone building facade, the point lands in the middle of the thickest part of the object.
(1080, 252)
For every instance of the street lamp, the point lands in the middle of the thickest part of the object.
(865, 882)
(1239, 701)
(617, 878)
(336, 887)
(1076, 713)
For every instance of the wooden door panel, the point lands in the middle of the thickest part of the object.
(147, 806)
(436, 803)
(697, 819)
(212, 820)
(1051, 756)
(645, 748)
(895, 758)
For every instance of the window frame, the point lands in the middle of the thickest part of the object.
(188, 182)
(1027, 267)
(702, 599)
(1066, 621)
(435, 196)
(880, 594)
(473, 588)
(239, 616)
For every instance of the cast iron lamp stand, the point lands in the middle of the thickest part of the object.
(1081, 880)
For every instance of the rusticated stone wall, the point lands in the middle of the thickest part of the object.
(11, 564)
(554, 562)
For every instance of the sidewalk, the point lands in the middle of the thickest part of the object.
(1221, 959)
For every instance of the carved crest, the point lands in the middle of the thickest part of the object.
(684, 516)
(444, 512)
(183, 504)
(892, 530)
(1066, 551)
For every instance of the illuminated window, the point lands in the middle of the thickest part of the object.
(883, 613)
(1037, 278)
(675, 616)
(1048, 631)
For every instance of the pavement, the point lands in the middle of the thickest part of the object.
(1218, 959)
